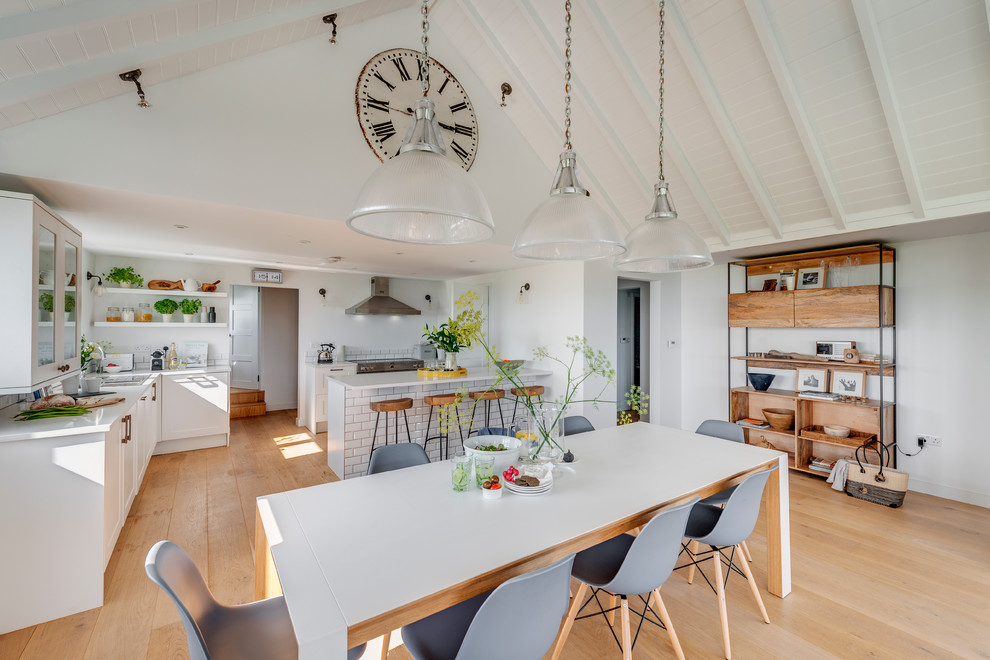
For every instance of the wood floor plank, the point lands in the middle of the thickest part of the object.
(868, 581)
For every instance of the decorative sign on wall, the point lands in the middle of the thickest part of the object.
(266, 276)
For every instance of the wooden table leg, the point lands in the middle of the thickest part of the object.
(266, 582)
(778, 531)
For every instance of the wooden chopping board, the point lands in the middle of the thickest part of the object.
(164, 285)
(103, 402)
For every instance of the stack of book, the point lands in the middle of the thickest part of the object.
(821, 464)
(753, 423)
(825, 396)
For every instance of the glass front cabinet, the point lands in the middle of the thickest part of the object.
(42, 295)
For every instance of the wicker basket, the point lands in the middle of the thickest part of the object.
(875, 483)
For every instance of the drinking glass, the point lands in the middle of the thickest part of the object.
(484, 468)
(460, 471)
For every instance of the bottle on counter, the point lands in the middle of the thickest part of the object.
(173, 358)
(211, 317)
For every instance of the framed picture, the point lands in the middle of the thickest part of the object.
(195, 353)
(849, 383)
(811, 278)
(812, 380)
(770, 284)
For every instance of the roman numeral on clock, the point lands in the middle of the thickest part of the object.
(445, 81)
(459, 150)
(457, 107)
(384, 130)
(461, 129)
(376, 104)
(390, 86)
(400, 65)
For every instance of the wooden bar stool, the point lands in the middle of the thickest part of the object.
(487, 396)
(531, 391)
(442, 436)
(390, 406)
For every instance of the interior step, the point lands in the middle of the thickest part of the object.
(247, 409)
(240, 395)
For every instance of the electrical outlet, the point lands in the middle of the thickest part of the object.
(932, 440)
(142, 349)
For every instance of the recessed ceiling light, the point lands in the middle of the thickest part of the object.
(326, 261)
(471, 261)
(400, 253)
(305, 241)
(181, 226)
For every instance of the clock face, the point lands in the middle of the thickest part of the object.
(386, 91)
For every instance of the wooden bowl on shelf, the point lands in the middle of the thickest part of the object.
(779, 419)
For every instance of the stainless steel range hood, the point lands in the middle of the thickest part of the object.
(380, 302)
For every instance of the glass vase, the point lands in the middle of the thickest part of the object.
(451, 361)
(546, 432)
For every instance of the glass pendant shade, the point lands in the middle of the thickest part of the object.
(569, 225)
(663, 243)
(420, 195)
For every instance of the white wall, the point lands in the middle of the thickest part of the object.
(279, 347)
(943, 316)
(665, 351)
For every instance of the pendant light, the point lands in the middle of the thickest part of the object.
(420, 195)
(569, 226)
(663, 243)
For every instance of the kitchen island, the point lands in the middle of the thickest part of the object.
(351, 423)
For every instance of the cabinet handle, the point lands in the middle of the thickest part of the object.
(127, 433)
(154, 391)
(144, 398)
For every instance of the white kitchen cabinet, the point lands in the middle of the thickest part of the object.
(313, 403)
(43, 259)
(113, 487)
(195, 411)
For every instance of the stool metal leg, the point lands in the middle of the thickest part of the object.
(374, 436)
(500, 417)
(408, 434)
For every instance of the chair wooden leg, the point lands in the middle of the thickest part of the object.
(745, 549)
(668, 624)
(626, 631)
(569, 621)
(756, 590)
(694, 547)
(613, 602)
(386, 638)
(720, 594)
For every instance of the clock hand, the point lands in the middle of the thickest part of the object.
(442, 125)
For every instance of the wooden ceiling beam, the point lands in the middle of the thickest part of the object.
(649, 105)
(496, 47)
(713, 101)
(792, 98)
(869, 31)
(75, 15)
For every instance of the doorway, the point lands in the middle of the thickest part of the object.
(632, 338)
(264, 343)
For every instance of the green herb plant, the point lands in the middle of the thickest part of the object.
(70, 302)
(166, 306)
(457, 333)
(188, 305)
(47, 301)
(86, 349)
(119, 274)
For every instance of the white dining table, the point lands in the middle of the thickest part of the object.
(358, 558)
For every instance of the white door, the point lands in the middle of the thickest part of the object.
(244, 316)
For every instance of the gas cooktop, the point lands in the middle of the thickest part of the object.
(378, 365)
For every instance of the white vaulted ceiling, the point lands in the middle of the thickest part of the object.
(786, 119)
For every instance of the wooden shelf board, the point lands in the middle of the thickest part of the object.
(790, 363)
(865, 403)
(166, 292)
(869, 254)
(145, 324)
(849, 443)
(771, 392)
(788, 435)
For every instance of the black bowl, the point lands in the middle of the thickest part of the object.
(761, 382)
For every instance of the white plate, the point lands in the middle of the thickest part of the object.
(527, 490)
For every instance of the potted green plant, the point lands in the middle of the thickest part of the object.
(70, 306)
(46, 304)
(189, 308)
(166, 307)
(125, 278)
(457, 333)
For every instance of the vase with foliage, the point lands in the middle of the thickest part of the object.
(70, 306)
(166, 307)
(125, 278)
(46, 305)
(545, 430)
(189, 308)
(458, 332)
(86, 349)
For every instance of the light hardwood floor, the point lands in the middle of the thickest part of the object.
(868, 581)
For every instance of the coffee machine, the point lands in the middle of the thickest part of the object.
(158, 359)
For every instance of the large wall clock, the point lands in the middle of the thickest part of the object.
(388, 86)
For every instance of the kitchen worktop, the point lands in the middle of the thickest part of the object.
(98, 420)
(407, 378)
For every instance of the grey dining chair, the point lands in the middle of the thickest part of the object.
(395, 457)
(577, 424)
(254, 631)
(718, 428)
(723, 529)
(494, 430)
(520, 618)
(630, 565)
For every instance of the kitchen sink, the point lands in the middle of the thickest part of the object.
(131, 379)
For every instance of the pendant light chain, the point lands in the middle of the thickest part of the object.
(660, 149)
(424, 63)
(567, 77)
